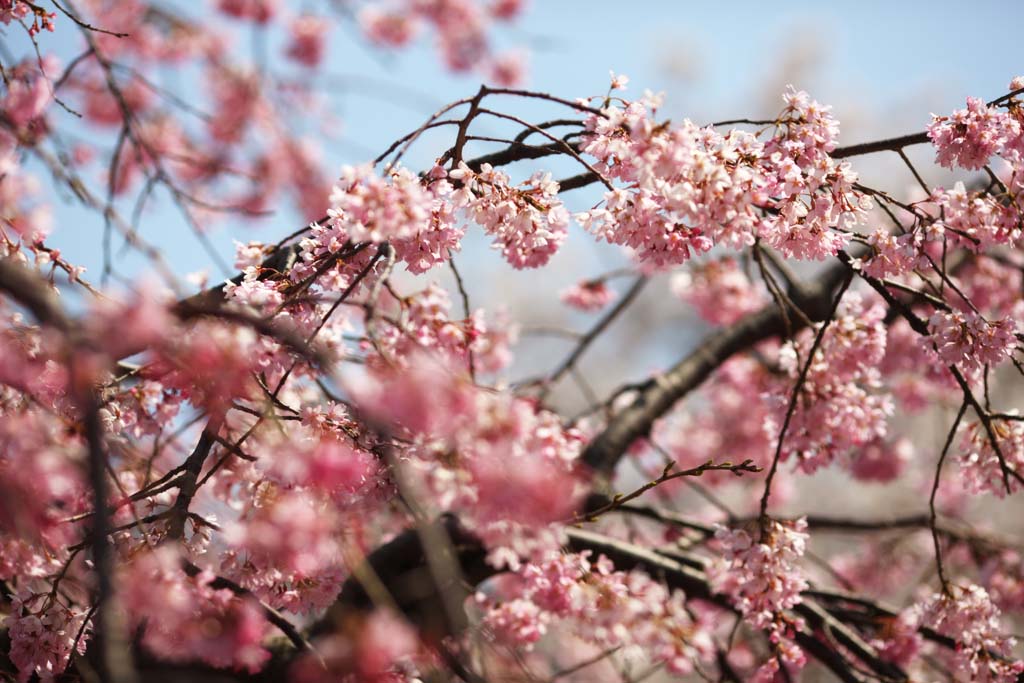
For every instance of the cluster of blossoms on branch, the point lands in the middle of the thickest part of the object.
(688, 188)
(600, 605)
(275, 437)
(764, 581)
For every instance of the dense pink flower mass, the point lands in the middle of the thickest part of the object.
(969, 137)
(44, 634)
(588, 296)
(841, 404)
(969, 617)
(690, 188)
(186, 618)
(528, 222)
(339, 463)
(763, 580)
(982, 462)
(611, 609)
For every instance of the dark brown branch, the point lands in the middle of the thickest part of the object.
(891, 144)
(187, 483)
(658, 395)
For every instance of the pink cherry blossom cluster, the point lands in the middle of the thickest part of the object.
(186, 619)
(980, 464)
(417, 220)
(893, 255)
(425, 323)
(979, 219)
(842, 403)
(588, 296)
(686, 187)
(44, 634)
(510, 469)
(719, 290)
(969, 137)
(816, 201)
(968, 616)
(528, 222)
(763, 579)
(970, 342)
(367, 207)
(606, 607)
(17, 10)
(689, 188)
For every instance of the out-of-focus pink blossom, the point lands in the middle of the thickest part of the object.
(392, 29)
(719, 291)
(184, 618)
(26, 100)
(377, 649)
(881, 461)
(508, 70)
(588, 296)
(259, 11)
(308, 40)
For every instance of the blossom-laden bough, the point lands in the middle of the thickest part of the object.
(310, 473)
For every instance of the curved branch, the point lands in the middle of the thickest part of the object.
(659, 394)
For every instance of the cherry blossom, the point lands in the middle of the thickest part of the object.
(969, 137)
(632, 610)
(528, 222)
(969, 341)
(269, 455)
(308, 40)
(844, 406)
(968, 616)
(763, 580)
(719, 291)
(982, 467)
(184, 618)
(692, 187)
(44, 634)
(588, 296)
